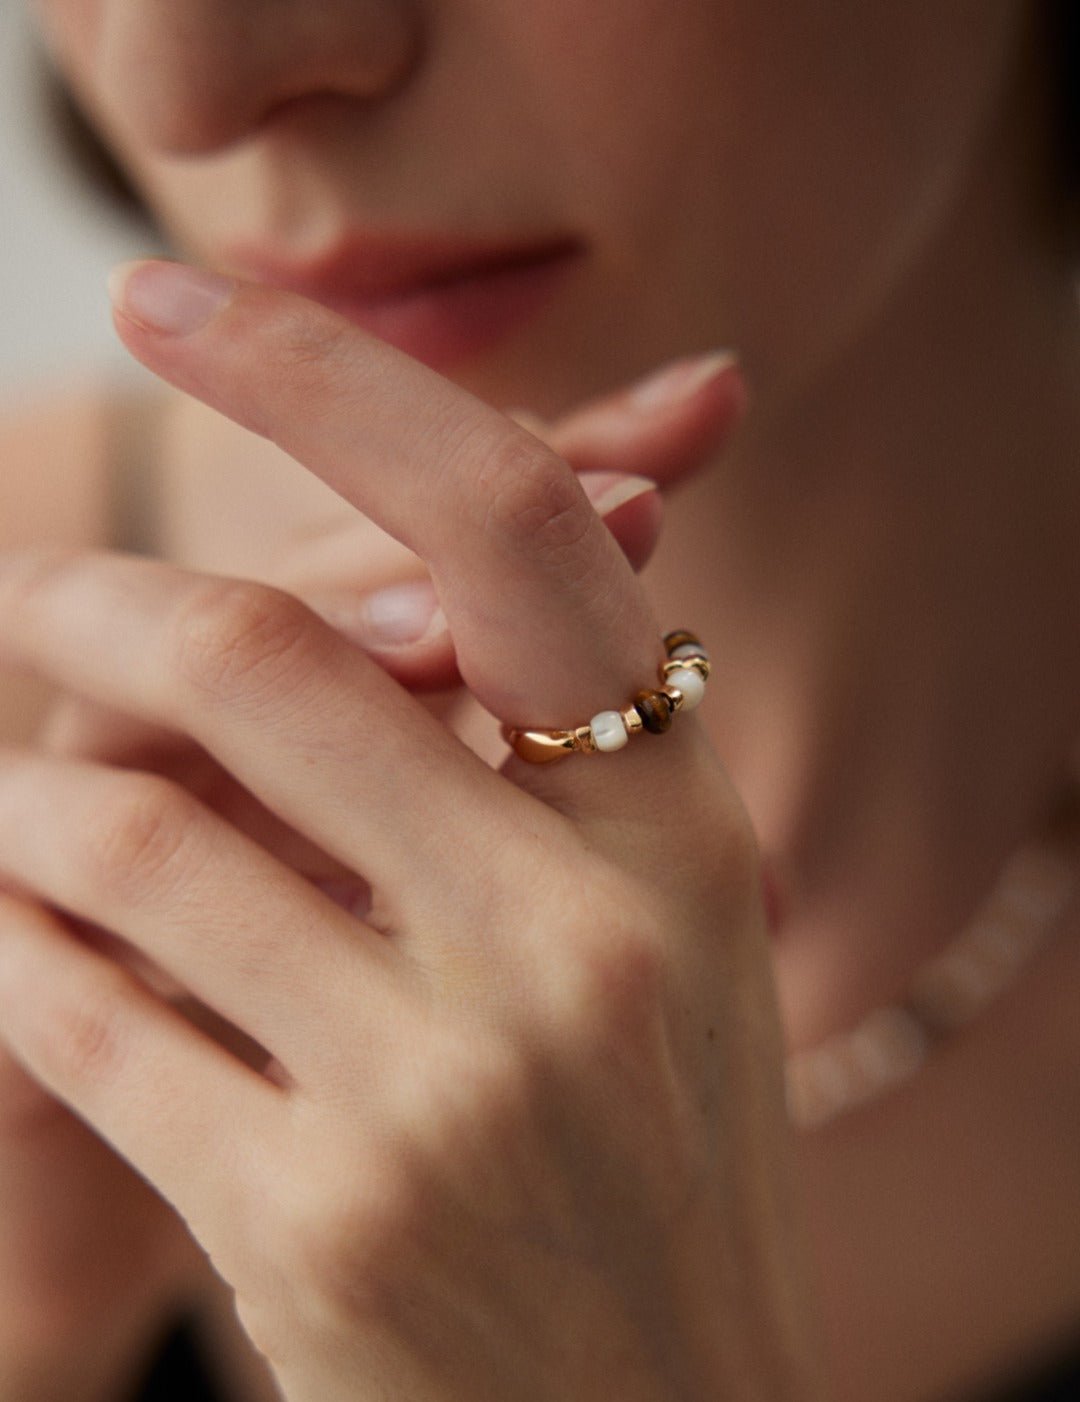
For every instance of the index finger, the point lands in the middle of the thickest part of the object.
(548, 618)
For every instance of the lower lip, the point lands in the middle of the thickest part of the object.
(444, 324)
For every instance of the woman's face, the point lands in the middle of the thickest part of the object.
(746, 173)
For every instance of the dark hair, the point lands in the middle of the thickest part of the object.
(80, 147)
(86, 152)
(1063, 44)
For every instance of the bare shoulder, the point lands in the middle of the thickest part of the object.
(56, 451)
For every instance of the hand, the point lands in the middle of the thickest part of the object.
(522, 1131)
(670, 425)
(91, 1252)
(92, 1261)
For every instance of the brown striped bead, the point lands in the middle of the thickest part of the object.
(654, 709)
(680, 638)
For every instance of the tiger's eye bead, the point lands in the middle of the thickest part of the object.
(680, 638)
(654, 709)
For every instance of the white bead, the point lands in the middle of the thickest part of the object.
(690, 684)
(608, 731)
(689, 650)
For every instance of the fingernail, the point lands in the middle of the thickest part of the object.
(609, 490)
(168, 297)
(530, 422)
(676, 383)
(353, 896)
(401, 614)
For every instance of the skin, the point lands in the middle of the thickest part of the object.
(909, 336)
(889, 214)
(190, 96)
(96, 1264)
(482, 1133)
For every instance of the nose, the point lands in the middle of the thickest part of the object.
(193, 76)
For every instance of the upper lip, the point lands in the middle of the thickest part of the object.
(370, 266)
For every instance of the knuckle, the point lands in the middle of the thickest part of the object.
(626, 1018)
(312, 362)
(233, 639)
(621, 984)
(619, 980)
(533, 502)
(83, 1040)
(142, 836)
(308, 346)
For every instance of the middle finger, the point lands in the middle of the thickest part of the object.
(312, 727)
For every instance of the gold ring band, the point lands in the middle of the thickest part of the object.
(682, 678)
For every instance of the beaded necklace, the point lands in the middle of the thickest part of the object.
(1020, 915)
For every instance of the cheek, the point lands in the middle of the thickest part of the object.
(71, 29)
(73, 32)
(767, 173)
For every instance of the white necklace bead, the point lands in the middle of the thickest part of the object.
(887, 1047)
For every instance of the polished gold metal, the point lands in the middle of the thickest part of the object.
(632, 720)
(585, 742)
(546, 746)
(700, 665)
(541, 746)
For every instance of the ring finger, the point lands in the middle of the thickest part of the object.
(159, 1090)
(139, 857)
(308, 724)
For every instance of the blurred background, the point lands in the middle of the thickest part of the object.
(57, 242)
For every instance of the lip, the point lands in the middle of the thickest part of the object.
(439, 300)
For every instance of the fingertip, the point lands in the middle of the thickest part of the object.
(427, 666)
(674, 435)
(169, 299)
(531, 423)
(401, 627)
(678, 383)
(632, 509)
(636, 526)
(610, 490)
(737, 389)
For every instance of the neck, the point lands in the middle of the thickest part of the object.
(891, 601)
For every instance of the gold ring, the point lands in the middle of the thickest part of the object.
(682, 678)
